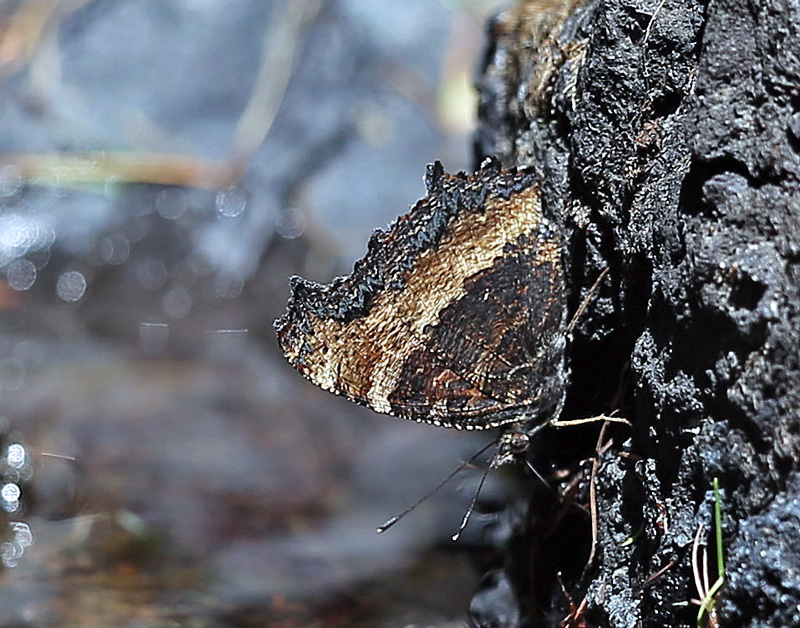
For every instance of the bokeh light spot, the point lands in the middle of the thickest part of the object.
(231, 202)
(177, 303)
(15, 456)
(21, 274)
(171, 203)
(71, 286)
(114, 249)
(228, 286)
(290, 225)
(12, 375)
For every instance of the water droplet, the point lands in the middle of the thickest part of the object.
(153, 337)
(71, 286)
(231, 202)
(171, 203)
(227, 343)
(177, 303)
(21, 274)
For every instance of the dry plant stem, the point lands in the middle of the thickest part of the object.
(279, 51)
(704, 572)
(281, 42)
(94, 168)
(621, 387)
(647, 36)
(593, 491)
(566, 498)
(22, 32)
(698, 580)
(657, 574)
(592, 419)
(575, 611)
(705, 590)
(584, 304)
(575, 615)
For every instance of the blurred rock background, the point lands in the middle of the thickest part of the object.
(164, 168)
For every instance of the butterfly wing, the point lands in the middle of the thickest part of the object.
(454, 317)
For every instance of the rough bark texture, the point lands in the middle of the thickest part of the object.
(667, 135)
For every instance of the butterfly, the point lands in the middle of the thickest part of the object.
(455, 316)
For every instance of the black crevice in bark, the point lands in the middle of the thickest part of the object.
(793, 136)
(666, 105)
(692, 203)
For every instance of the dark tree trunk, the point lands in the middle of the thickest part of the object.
(667, 133)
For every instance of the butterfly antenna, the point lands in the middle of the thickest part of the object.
(463, 465)
(467, 514)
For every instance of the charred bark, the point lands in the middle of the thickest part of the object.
(667, 134)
